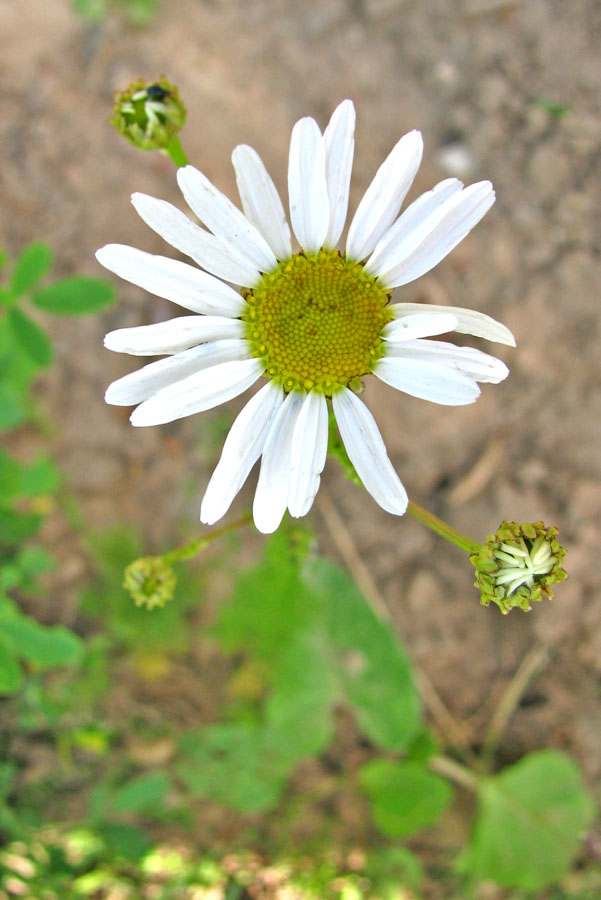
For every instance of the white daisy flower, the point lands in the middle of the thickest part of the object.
(313, 322)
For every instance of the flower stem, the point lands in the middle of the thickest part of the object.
(187, 551)
(175, 150)
(441, 528)
(454, 771)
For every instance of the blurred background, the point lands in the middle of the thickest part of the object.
(502, 90)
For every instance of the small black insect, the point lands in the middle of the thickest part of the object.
(156, 92)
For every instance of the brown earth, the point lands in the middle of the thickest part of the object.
(474, 76)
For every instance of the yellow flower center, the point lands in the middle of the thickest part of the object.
(316, 322)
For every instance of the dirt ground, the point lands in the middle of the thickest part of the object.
(477, 77)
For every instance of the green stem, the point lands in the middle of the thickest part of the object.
(187, 551)
(176, 152)
(441, 528)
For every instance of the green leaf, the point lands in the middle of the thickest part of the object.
(16, 527)
(47, 647)
(11, 675)
(30, 266)
(12, 409)
(530, 820)
(93, 10)
(10, 476)
(8, 771)
(141, 794)
(31, 337)
(75, 296)
(374, 670)
(127, 840)
(42, 477)
(234, 764)
(393, 866)
(405, 796)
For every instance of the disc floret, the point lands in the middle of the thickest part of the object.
(518, 564)
(316, 322)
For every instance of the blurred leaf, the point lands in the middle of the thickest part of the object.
(374, 670)
(139, 12)
(319, 643)
(531, 817)
(392, 866)
(127, 840)
(553, 109)
(8, 770)
(20, 480)
(234, 764)
(10, 476)
(31, 337)
(141, 794)
(422, 747)
(3, 258)
(40, 644)
(16, 527)
(12, 409)
(30, 266)
(94, 10)
(270, 604)
(11, 675)
(75, 296)
(405, 797)
(42, 477)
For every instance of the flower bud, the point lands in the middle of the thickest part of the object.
(149, 115)
(518, 564)
(150, 581)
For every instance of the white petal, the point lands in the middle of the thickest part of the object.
(307, 186)
(413, 217)
(260, 200)
(198, 392)
(382, 200)
(419, 325)
(424, 248)
(173, 335)
(427, 380)
(468, 321)
(367, 452)
(271, 496)
(173, 280)
(243, 446)
(140, 385)
(224, 219)
(204, 248)
(339, 140)
(308, 453)
(473, 363)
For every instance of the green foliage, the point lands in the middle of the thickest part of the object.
(141, 794)
(529, 823)
(309, 630)
(75, 296)
(30, 337)
(25, 348)
(405, 796)
(553, 109)
(136, 12)
(30, 266)
(23, 640)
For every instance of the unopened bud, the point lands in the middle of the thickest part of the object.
(517, 566)
(149, 116)
(150, 581)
